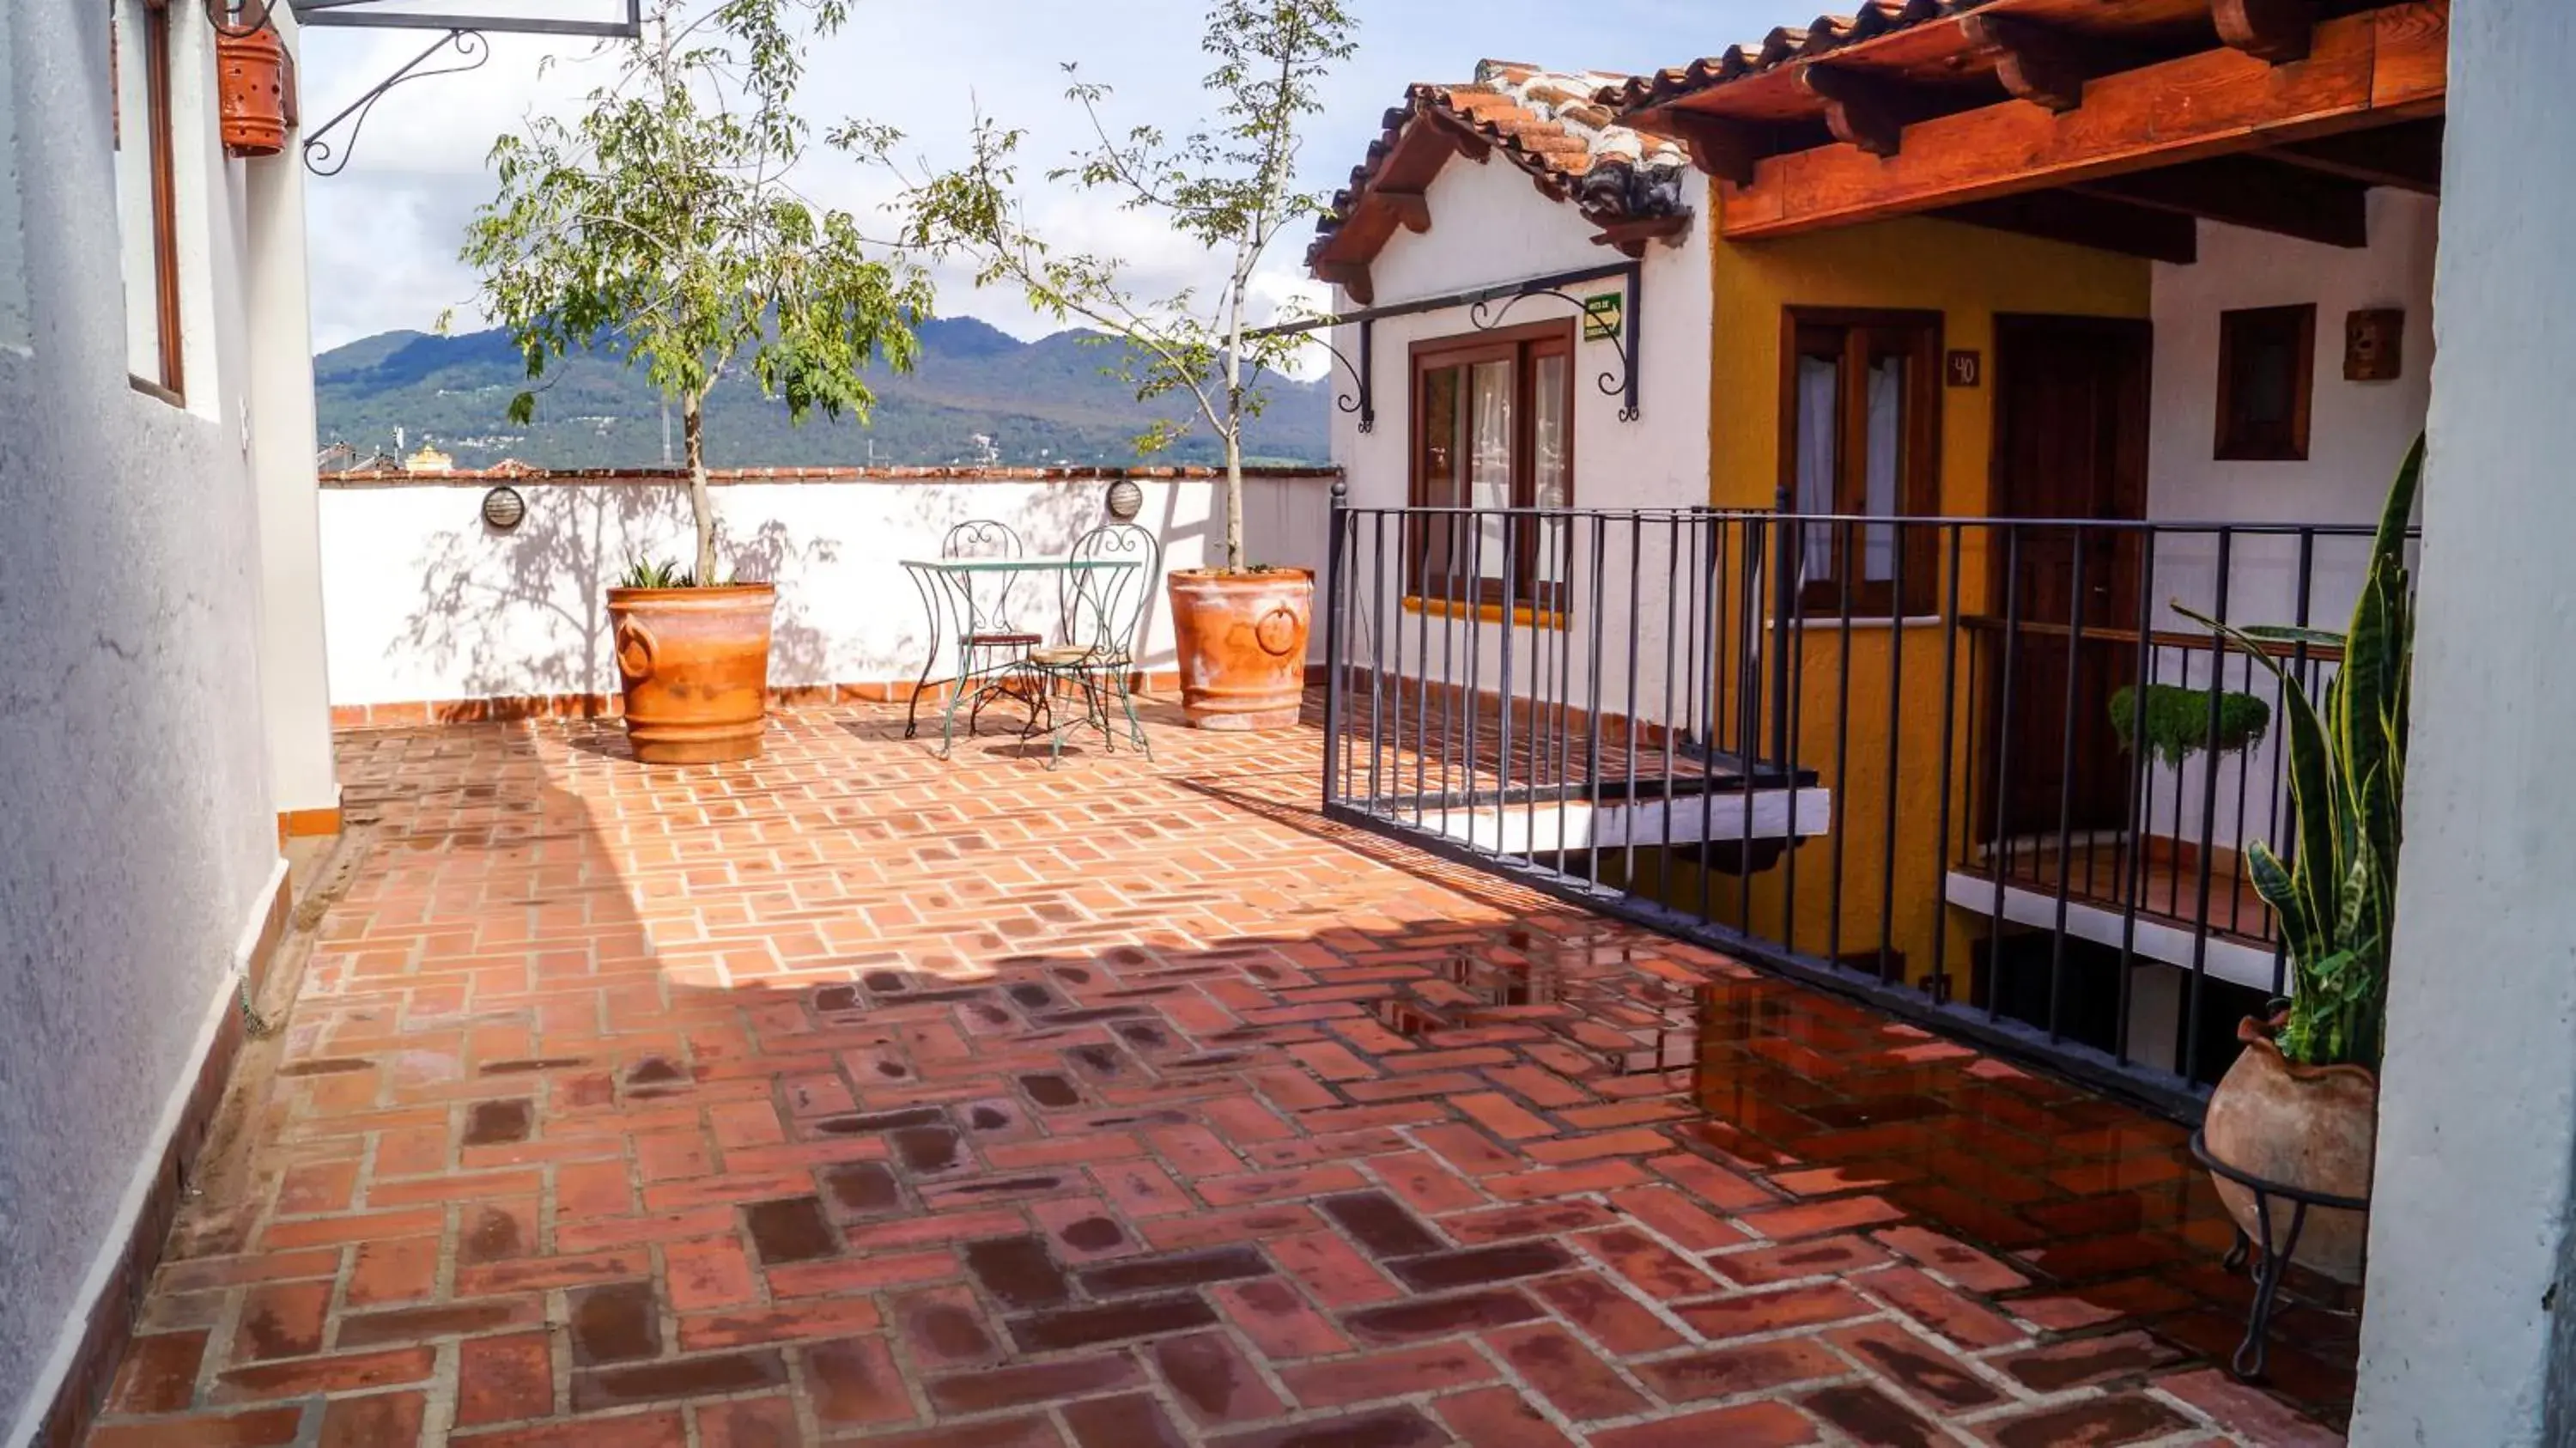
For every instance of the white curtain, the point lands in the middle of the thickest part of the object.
(1489, 463)
(1819, 424)
(1886, 419)
(1548, 423)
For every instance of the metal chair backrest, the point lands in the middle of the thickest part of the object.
(988, 607)
(1105, 608)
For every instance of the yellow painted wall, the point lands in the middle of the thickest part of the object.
(1969, 275)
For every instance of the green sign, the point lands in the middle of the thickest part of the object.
(1602, 316)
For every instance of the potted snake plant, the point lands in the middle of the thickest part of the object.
(2301, 1104)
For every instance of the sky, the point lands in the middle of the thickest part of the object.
(385, 232)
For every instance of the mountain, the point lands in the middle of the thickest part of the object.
(1037, 402)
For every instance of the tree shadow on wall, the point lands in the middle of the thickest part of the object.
(526, 612)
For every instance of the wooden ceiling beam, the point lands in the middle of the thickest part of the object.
(2255, 194)
(2278, 31)
(2368, 69)
(2407, 157)
(2093, 221)
(2042, 64)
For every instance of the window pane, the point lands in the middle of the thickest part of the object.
(1440, 438)
(1819, 449)
(1490, 465)
(1552, 483)
(1886, 465)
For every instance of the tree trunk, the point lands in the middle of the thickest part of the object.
(1234, 409)
(702, 505)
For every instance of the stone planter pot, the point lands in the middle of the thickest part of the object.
(253, 88)
(1242, 642)
(2311, 1127)
(695, 664)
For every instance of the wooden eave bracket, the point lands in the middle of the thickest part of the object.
(2279, 31)
(1862, 109)
(2044, 65)
(1725, 149)
(1412, 208)
(1352, 277)
(1630, 237)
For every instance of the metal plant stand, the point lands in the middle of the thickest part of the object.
(2253, 1355)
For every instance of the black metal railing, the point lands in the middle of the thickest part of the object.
(1985, 772)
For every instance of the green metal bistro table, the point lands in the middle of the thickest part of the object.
(969, 597)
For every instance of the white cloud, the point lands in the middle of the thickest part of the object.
(385, 233)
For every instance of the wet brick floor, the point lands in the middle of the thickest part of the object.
(855, 1095)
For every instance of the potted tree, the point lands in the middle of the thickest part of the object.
(660, 226)
(1241, 630)
(2301, 1104)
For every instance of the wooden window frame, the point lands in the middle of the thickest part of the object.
(161, 159)
(1918, 493)
(1426, 574)
(2240, 439)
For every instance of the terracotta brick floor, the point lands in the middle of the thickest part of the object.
(854, 1095)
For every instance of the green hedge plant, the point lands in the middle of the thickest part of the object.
(2337, 899)
(2178, 721)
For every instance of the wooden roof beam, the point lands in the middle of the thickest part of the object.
(2373, 68)
(2407, 157)
(2042, 64)
(2094, 221)
(2255, 194)
(2279, 31)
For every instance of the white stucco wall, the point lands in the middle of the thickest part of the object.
(2469, 1328)
(2358, 433)
(427, 604)
(1490, 225)
(132, 768)
(295, 685)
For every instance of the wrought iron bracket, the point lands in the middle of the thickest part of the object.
(1487, 306)
(1363, 376)
(241, 29)
(1486, 316)
(323, 157)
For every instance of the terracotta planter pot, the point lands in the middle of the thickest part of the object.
(696, 667)
(2313, 1127)
(1242, 641)
(252, 75)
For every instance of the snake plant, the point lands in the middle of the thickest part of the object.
(2336, 898)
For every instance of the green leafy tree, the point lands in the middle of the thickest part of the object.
(1230, 185)
(661, 226)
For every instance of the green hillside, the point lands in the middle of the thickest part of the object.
(1037, 402)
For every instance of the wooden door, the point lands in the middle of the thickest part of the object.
(2071, 405)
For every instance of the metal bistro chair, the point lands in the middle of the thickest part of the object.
(1104, 624)
(993, 641)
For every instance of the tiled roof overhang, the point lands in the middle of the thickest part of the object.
(1571, 147)
(1916, 105)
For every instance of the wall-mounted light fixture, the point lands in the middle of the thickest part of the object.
(1126, 500)
(504, 509)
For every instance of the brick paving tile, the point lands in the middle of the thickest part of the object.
(972, 1105)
